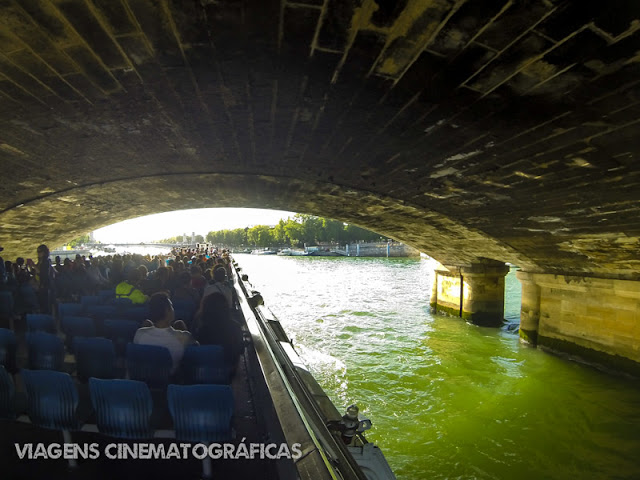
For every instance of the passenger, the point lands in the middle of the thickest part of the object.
(220, 286)
(162, 332)
(197, 279)
(218, 328)
(45, 277)
(185, 291)
(94, 275)
(129, 288)
(158, 281)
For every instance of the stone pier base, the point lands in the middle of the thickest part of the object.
(475, 293)
(596, 319)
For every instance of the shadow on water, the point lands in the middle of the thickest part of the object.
(448, 399)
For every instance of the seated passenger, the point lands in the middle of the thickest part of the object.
(218, 328)
(162, 332)
(219, 286)
(129, 288)
(185, 291)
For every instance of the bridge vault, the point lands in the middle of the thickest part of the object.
(480, 132)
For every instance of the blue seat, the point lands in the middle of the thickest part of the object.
(123, 407)
(184, 310)
(40, 322)
(6, 304)
(73, 326)
(101, 312)
(136, 313)
(201, 413)
(74, 309)
(122, 303)
(205, 364)
(107, 296)
(150, 364)
(95, 357)
(7, 395)
(87, 300)
(121, 332)
(52, 399)
(46, 351)
(8, 345)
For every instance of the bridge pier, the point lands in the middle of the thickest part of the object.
(596, 319)
(474, 292)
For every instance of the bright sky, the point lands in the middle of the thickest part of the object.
(201, 221)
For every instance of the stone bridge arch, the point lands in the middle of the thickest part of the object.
(501, 129)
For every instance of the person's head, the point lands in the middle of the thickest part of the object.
(161, 310)
(134, 276)
(196, 270)
(143, 271)
(57, 259)
(43, 252)
(185, 279)
(163, 274)
(220, 275)
(214, 308)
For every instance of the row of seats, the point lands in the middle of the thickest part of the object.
(120, 331)
(96, 357)
(200, 413)
(106, 305)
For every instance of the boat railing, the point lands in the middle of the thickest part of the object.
(304, 415)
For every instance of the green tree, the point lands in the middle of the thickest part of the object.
(260, 236)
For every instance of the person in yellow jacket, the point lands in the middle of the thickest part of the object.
(129, 288)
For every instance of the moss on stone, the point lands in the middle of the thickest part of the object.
(483, 319)
(529, 336)
(589, 355)
(454, 312)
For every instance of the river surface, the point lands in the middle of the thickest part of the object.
(448, 400)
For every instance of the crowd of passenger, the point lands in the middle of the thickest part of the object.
(199, 277)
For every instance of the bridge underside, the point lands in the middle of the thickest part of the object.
(503, 130)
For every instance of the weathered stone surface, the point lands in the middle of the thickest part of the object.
(596, 319)
(507, 132)
(474, 293)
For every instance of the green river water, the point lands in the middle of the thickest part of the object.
(448, 400)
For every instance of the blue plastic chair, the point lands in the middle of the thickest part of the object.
(122, 303)
(52, 399)
(201, 413)
(6, 304)
(106, 296)
(40, 322)
(8, 346)
(46, 351)
(184, 310)
(7, 395)
(88, 300)
(123, 407)
(137, 313)
(205, 364)
(102, 312)
(73, 326)
(121, 332)
(150, 364)
(74, 309)
(95, 357)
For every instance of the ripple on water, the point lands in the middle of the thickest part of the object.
(448, 399)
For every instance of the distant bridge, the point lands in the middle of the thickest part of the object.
(108, 245)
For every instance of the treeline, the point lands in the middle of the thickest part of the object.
(179, 239)
(295, 232)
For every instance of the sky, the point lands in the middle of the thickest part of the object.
(201, 221)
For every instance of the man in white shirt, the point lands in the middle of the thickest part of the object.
(162, 333)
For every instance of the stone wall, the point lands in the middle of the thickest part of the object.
(593, 318)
